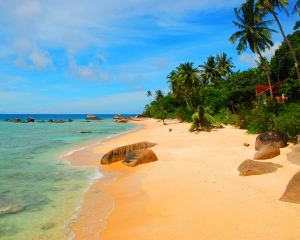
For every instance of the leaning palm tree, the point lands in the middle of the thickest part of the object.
(270, 6)
(149, 94)
(253, 31)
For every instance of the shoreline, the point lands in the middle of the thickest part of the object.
(193, 189)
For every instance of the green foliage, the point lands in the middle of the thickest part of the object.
(289, 120)
(225, 116)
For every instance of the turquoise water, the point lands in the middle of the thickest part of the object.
(38, 192)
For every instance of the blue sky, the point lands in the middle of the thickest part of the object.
(100, 56)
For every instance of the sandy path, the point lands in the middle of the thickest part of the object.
(192, 192)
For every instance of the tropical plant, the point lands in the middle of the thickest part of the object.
(209, 71)
(253, 31)
(296, 6)
(270, 6)
(224, 65)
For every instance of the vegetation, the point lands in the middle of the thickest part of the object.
(211, 94)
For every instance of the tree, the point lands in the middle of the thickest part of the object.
(209, 71)
(253, 31)
(224, 65)
(149, 94)
(296, 6)
(161, 105)
(270, 6)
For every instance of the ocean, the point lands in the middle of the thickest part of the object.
(38, 191)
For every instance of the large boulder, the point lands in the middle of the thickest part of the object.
(250, 167)
(16, 120)
(266, 152)
(119, 154)
(292, 191)
(277, 138)
(92, 117)
(294, 155)
(141, 156)
(124, 120)
(118, 116)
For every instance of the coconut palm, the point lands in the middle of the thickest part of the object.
(209, 71)
(149, 94)
(253, 32)
(224, 65)
(270, 6)
(296, 6)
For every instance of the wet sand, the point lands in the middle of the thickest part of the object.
(193, 191)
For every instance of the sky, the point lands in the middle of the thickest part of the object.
(101, 56)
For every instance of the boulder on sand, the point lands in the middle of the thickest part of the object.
(119, 154)
(92, 117)
(292, 191)
(124, 120)
(266, 152)
(250, 167)
(278, 138)
(141, 156)
(294, 155)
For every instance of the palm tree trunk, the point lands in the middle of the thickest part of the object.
(289, 45)
(266, 68)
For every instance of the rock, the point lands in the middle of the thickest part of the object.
(294, 155)
(141, 156)
(11, 209)
(292, 191)
(30, 119)
(41, 121)
(246, 144)
(92, 117)
(140, 116)
(118, 116)
(279, 139)
(250, 167)
(59, 121)
(50, 120)
(87, 131)
(48, 226)
(119, 154)
(170, 130)
(266, 152)
(16, 120)
(70, 120)
(124, 120)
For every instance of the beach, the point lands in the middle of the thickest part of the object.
(193, 191)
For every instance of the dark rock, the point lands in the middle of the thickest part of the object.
(30, 119)
(292, 191)
(266, 152)
(92, 117)
(279, 139)
(124, 120)
(294, 155)
(16, 120)
(59, 121)
(70, 120)
(50, 120)
(170, 130)
(85, 131)
(246, 144)
(141, 156)
(140, 116)
(119, 154)
(250, 167)
(41, 121)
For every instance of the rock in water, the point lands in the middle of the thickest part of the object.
(292, 191)
(139, 157)
(30, 119)
(118, 116)
(124, 120)
(11, 209)
(279, 139)
(92, 117)
(266, 152)
(294, 155)
(119, 154)
(250, 167)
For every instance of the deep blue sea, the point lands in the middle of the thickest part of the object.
(38, 191)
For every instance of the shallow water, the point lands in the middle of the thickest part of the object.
(38, 193)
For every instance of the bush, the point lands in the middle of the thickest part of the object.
(225, 116)
(288, 120)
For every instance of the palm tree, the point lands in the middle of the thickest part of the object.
(149, 95)
(183, 80)
(224, 65)
(270, 6)
(253, 31)
(209, 71)
(159, 97)
(296, 6)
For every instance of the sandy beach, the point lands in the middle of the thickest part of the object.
(193, 191)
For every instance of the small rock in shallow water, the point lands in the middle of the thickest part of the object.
(48, 226)
(11, 209)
